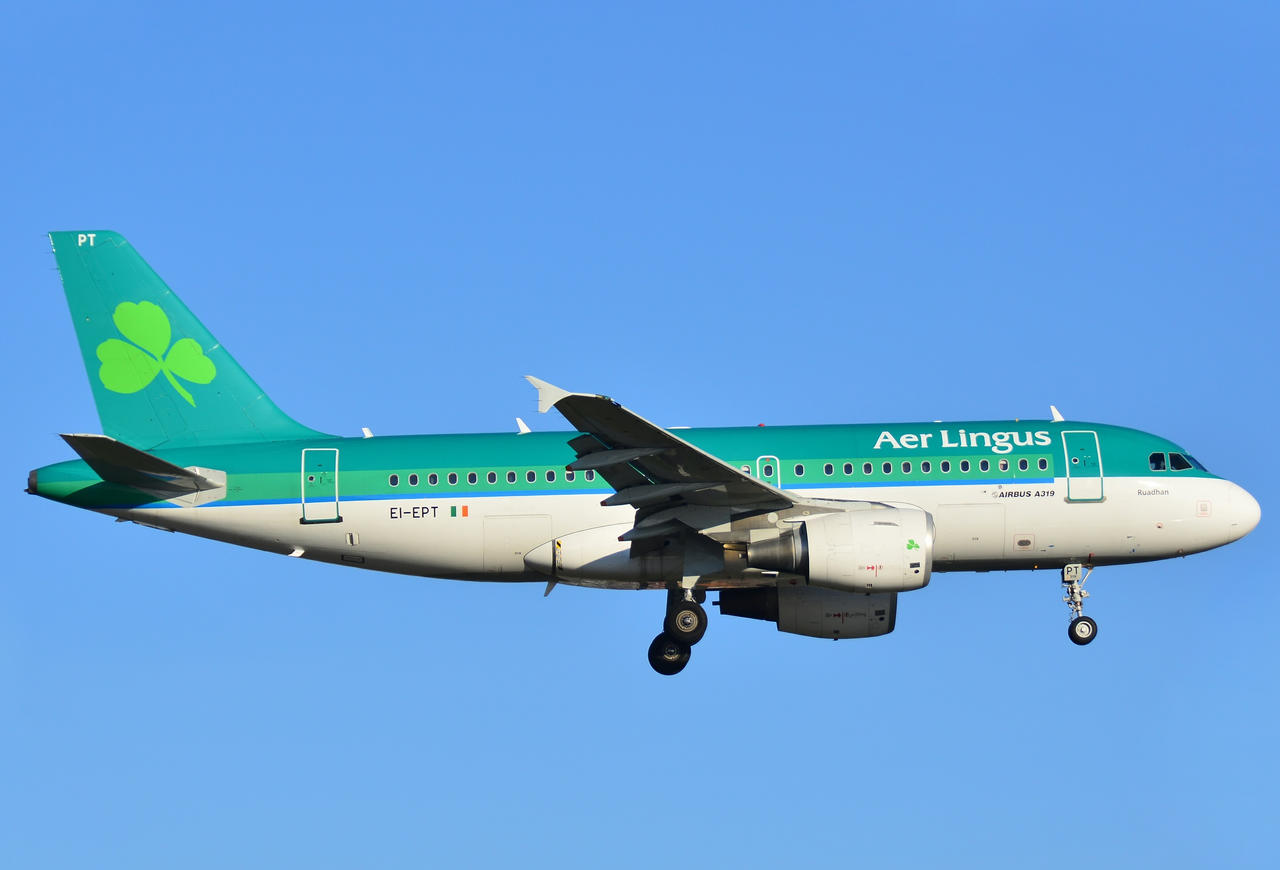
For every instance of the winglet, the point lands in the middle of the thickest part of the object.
(1057, 415)
(548, 394)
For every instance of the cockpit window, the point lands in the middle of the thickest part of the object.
(1156, 461)
(1178, 462)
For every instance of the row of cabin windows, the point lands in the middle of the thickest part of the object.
(1173, 462)
(926, 467)
(473, 478)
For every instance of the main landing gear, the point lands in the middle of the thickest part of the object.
(685, 624)
(1082, 629)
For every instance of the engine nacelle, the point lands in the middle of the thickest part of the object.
(872, 549)
(597, 554)
(814, 612)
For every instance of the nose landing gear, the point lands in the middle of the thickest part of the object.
(685, 624)
(1082, 629)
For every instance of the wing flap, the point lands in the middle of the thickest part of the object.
(600, 459)
(652, 493)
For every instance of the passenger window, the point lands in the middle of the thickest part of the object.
(926, 467)
(413, 480)
(1044, 464)
(1022, 465)
(591, 475)
(568, 475)
(848, 468)
(964, 466)
(1004, 465)
(887, 468)
(1178, 463)
(471, 478)
(768, 470)
(511, 477)
(866, 468)
(394, 480)
(945, 466)
(1156, 461)
(453, 478)
(746, 469)
(984, 465)
(799, 470)
(492, 477)
(906, 468)
(531, 476)
(828, 469)
(433, 479)
(551, 477)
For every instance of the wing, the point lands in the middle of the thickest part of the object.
(674, 486)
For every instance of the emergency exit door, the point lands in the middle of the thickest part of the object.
(767, 470)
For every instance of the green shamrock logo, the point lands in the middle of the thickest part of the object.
(912, 545)
(128, 368)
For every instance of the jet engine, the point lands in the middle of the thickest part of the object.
(814, 612)
(879, 548)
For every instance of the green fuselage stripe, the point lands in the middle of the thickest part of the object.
(270, 473)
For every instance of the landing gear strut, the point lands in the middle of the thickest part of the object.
(1082, 629)
(685, 624)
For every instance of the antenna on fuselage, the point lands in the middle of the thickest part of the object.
(1057, 415)
(522, 426)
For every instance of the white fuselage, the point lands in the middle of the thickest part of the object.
(978, 526)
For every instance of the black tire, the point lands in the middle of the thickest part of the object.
(686, 622)
(667, 655)
(1082, 630)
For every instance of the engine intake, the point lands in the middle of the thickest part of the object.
(876, 549)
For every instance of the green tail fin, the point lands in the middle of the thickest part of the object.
(158, 377)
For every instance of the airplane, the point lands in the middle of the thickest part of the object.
(814, 528)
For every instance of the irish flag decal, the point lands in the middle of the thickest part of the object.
(457, 510)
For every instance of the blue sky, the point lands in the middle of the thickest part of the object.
(720, 214)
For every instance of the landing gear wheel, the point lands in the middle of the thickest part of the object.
(686, 622)
(668, 656)
(1082, 630)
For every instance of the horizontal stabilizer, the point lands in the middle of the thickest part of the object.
(117, 462)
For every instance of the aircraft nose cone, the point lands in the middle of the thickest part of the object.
(1245, 512)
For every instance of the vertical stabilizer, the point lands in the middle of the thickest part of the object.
(159, 378)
